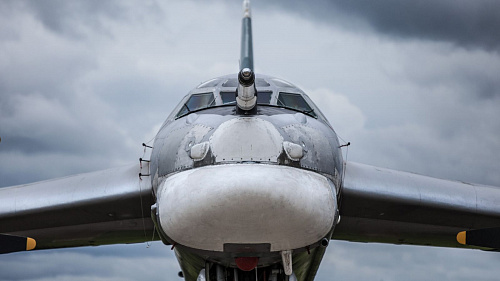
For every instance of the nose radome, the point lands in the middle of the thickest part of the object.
(207, 207)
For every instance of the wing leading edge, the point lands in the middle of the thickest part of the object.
(104, 207)
(388, 206)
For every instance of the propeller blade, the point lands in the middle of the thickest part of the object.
(11, 243)
(486, 237)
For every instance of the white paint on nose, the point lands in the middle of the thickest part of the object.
(287, 207)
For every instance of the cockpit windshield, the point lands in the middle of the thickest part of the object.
(196, 102)
(270, 91)
(228, 97)
(263, 97)
(295, 101)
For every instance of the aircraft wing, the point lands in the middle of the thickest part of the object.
(387, 206)
(104, 207)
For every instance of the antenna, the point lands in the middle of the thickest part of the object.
(246, 93)
(246, 57)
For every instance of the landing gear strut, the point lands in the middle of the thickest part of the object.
(217, 272)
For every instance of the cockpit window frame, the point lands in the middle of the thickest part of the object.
(186, 109)
(274, 88)
(224, 94)
(296, 98)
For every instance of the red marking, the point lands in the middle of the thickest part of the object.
(246, 263)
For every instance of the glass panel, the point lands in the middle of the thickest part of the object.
(295, 101)
(197, 101)
(228, 97)
(264, 97)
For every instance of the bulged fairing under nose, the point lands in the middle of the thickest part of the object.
(213, 207)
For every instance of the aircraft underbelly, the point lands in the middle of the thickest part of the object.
(210, 207)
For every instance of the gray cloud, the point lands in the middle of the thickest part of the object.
(470, 24)
(357, 261)
(70, 17)
(79, 19)
(130, 262)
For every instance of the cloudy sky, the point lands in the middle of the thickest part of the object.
(413, 85)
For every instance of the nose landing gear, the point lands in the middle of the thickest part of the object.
(217, 272)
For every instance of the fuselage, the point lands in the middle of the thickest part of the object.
(232, 184)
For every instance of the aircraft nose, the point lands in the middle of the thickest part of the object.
(210, 207)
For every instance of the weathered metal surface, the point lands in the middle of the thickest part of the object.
(293, 151)
(199, 151)
(105, 207)
(383, 205)
(246, 139)
(207, 207)
(319, 153)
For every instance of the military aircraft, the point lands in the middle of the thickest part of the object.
(246, 181)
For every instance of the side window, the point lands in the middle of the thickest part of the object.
(196, 102)
(295, 101)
